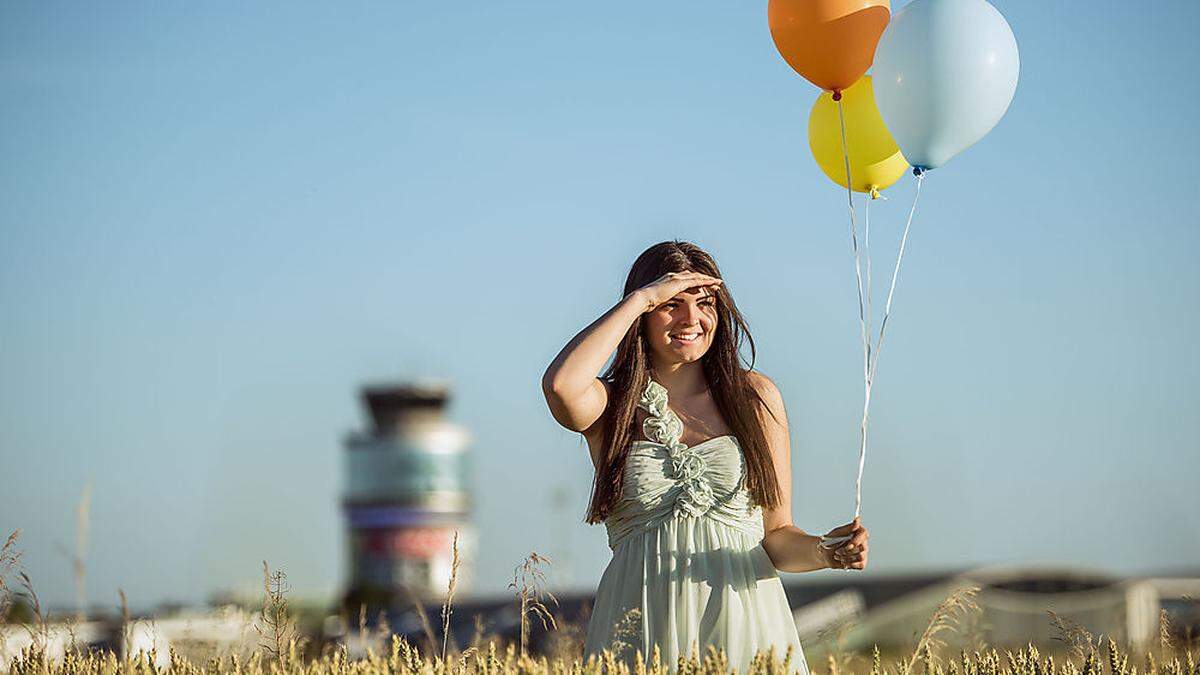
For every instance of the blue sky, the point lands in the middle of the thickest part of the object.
(219, 220)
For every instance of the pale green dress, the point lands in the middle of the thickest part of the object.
(688, 567)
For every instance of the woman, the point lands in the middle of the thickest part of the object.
(698, 505)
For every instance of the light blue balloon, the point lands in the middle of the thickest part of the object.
(944, 74)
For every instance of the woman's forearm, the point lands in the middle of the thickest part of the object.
(793, 550)
(579, 363)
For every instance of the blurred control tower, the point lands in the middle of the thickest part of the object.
(406, 493)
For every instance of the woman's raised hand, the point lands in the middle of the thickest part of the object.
(671, 284)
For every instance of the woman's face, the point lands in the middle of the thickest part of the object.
(681, 329)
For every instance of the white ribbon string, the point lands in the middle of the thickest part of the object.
(867, 251)
(887, 310)
(862, 322)
(870, 355)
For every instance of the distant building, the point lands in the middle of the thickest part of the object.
(1014, 603)
(191, 633)
(57, 640)
(406, 495)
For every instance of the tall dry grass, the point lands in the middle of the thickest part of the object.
(282, 652)
(529, 582)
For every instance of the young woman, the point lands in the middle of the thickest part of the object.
(692, 471)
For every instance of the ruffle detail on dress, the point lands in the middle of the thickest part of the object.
(688, 467)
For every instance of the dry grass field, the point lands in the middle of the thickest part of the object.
(279, 648)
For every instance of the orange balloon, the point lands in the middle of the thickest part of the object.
(829, 42)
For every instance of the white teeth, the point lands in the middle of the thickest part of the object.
(686, 337)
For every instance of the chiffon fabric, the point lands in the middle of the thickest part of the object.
(688, 568)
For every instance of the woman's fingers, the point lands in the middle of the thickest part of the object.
(855, 544)
(858, 540)
(671, 284)
(849, 555)
(853, 553)
(685, 280)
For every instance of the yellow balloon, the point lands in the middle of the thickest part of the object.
(875, 159)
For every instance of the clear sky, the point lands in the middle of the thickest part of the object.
(219, 219)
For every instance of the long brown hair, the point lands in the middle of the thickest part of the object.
(732, 391)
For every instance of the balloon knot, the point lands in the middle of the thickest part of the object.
(837, 95)
(918, 170)
(874, 191)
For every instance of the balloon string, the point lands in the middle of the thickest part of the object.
(870, 355)
(862, 320)
(854, 243)
(867, 255)
(887, 310)
(873, 357)
(888, 306)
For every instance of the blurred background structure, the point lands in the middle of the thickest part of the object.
(408, 492)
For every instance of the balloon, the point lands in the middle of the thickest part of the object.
(875, 159)
(830, 42)
(945, 73)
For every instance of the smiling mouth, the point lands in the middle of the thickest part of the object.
(686, 338)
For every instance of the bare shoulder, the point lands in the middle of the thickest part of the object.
(764, 385)
(769, 392)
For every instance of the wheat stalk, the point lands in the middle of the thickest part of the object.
(1073, 634)
(835, 636)
(41, 637)
(625, 629)
(446, 608)
(280, 630)
(945, 618)
(426, 626)
(10, 559)
(530, 583)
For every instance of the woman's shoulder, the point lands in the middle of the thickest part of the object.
(767, 391)
(762, 384)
